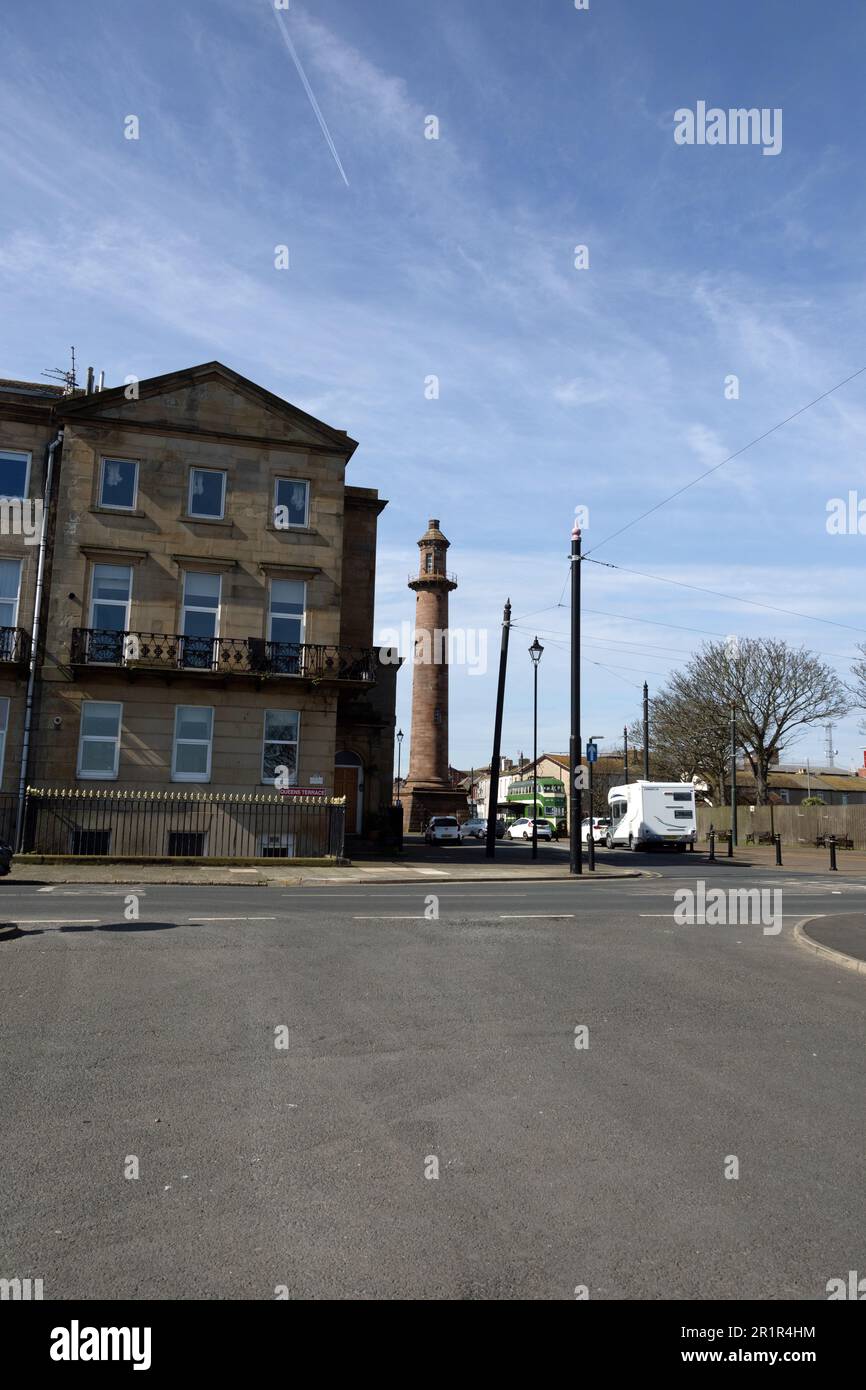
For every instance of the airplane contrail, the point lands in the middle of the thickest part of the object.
(309, 91)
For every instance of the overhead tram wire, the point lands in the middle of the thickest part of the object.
(731, 598)
(716, 466)
(807, 617)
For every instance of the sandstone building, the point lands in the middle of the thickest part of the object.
(207, 614)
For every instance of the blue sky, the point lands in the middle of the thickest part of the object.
(455, 257)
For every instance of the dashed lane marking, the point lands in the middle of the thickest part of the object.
(534, 916)
(233, 918)
(57, 921)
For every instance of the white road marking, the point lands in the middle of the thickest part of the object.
(389, 919)
(45, 890)
(533, 916)
(231, 919)
(690, 921)
(398, 891)
(57, 921)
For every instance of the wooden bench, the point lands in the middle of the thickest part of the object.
(760, 837)
(842, 842)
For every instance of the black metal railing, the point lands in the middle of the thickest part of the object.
(120, 824)
(434, 574)
(14, 646)
(243, 656)
(8, 817)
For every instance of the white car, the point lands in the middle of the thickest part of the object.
(522, 829)
(600, 827)
(441, 829)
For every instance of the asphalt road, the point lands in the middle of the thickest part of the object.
(411, 1039)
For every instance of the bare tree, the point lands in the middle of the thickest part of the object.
(858, 689)
(776, 691)
(689, 737)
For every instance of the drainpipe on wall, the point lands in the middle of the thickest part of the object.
(34, 638)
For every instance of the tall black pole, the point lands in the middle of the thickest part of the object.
(625, 753)
(575, 863)
(590, 840)
(733, 774)
(646, 773)
(535, 759)
(493, 800)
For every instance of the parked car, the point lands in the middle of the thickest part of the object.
(522, 829)
(441, 829)
(600, 827)
(475, 829)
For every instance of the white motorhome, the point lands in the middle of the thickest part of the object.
(646, 815)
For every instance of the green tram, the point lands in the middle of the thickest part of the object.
(550, 804)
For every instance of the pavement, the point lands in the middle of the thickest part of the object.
(843, 934)
(386, 1091)
(461, 863)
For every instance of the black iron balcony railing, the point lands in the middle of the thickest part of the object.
(223, 656)
(14, 646)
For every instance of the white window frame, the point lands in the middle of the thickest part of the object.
(287, 842)
(272, 781)
(198, 516)
(198, 608)
(91, 738)
(4, 731)
(13, 560)
(303, 615)
(28, 458)
(110, 602)
(109, 506)
(293, 525)
(191, 776)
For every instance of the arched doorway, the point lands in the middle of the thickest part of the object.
(349, 782)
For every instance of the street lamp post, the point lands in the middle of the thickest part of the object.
(535, 652)
(399, 757)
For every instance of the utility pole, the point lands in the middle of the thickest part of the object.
(733, 774)
(575, 861)
(646, 771)
(625, 752)
(493, 799)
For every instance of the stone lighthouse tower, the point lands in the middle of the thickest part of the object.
(428, 791)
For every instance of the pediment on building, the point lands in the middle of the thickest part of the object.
(209, 399)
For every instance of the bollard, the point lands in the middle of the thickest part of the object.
(833, 852)
(712, 855)
(731, 846)
(590, 846)
(779, 850)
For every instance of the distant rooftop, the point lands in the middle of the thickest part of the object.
(31, 388)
